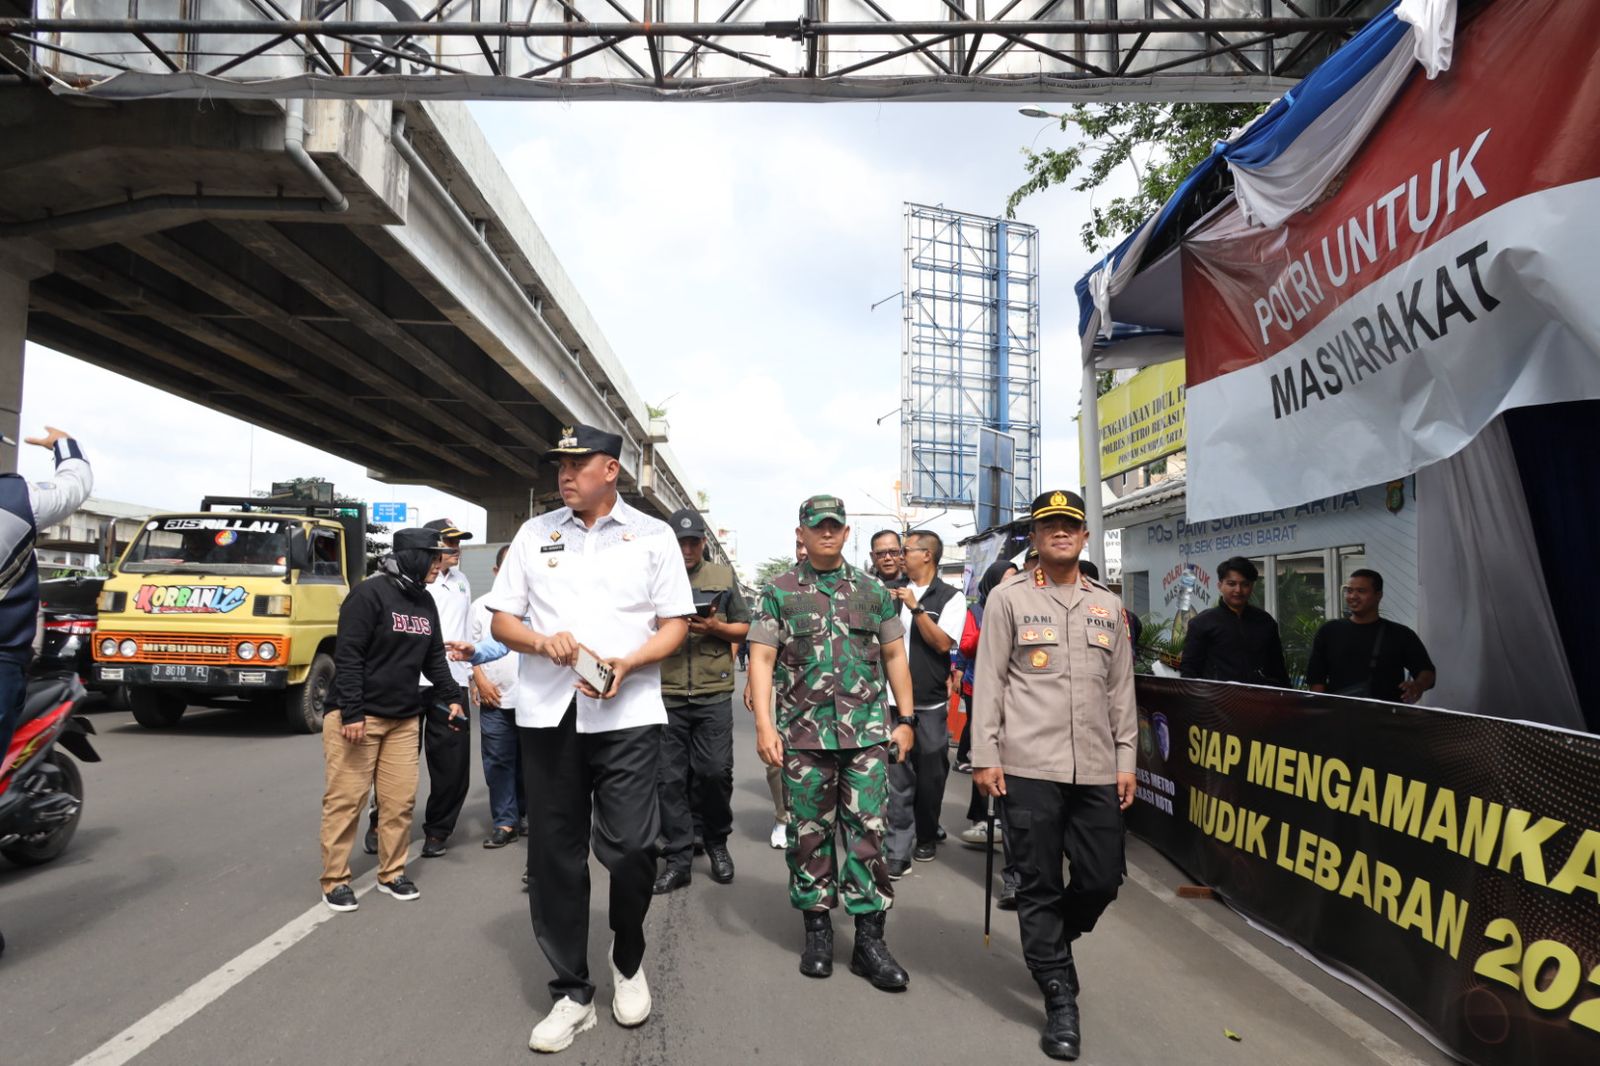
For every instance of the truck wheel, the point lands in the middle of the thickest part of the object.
(155, 710)
(305, 704)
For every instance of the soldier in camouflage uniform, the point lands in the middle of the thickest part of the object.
(826, 635)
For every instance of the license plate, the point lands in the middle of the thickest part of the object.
(176, 672)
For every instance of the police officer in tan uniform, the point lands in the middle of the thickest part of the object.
(1053, 731)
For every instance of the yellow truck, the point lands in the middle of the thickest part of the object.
(239, 600)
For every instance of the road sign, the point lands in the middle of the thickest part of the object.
(389, 513)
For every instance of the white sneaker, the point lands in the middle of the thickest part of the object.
(780, 835)
(630, 1001)
(566, 1020)
(977, 835)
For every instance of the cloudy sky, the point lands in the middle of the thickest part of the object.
(730, 253)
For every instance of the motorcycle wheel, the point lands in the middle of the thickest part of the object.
(43, 848)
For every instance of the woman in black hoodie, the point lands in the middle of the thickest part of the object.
(388, 635)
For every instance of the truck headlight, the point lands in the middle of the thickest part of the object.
(267, 651)
(128, 647)
(108, 648)
(247, 650)
(278, 606)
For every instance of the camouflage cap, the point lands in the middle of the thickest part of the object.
(819, 508)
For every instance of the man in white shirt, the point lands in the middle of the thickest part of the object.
(933, 613)
(496, 686)
(600, 575)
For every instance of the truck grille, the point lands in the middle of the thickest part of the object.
(176, 648)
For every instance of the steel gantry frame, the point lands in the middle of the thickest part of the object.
(969, 353)
(752, 49)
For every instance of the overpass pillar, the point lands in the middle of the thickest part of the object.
(20, 263)
(508, 510)
(13, 334)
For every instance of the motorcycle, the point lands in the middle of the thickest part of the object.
(41, 790)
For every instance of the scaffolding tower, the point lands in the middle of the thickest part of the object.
(969, 354)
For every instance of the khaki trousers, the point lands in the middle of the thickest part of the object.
(387, 757)
(775, 781)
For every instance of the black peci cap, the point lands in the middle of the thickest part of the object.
(579, 439)
(1057, 502)
(447, 529)
(415, 539)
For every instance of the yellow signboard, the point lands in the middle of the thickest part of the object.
(1142, 419)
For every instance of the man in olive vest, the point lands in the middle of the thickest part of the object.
(696, 765)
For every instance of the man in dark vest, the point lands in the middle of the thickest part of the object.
(933, 613)
(696, 765)
(25, 508)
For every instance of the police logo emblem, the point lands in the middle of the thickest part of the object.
(569, 438)
(1058, 499)
(1039, 659)
(1049, 634)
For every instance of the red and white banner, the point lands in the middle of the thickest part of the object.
(1449, 274)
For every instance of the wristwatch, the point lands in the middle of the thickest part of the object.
(906, 719)
(919, 610)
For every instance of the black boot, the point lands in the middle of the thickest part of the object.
(1060, 1038)
(817, 958)
(871, 958)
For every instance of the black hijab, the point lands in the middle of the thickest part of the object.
(992, 577)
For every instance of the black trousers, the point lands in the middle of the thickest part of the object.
(449, 756)
(583, 787)
(1045, 823)
(696, 778)
(916, 786)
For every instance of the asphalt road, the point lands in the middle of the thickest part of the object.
(185, 920)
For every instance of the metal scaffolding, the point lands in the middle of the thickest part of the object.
(642, 49)
(969, 353)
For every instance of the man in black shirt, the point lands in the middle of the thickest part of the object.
(1235, 641)
(1365, 655)
(388, 634)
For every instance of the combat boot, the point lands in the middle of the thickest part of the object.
(817, 958)
(871, 958)
(1061, 1037)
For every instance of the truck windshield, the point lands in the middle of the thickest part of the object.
(213, 544)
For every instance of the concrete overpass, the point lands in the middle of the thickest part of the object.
(360, 276)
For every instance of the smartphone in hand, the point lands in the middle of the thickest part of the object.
(592, 670)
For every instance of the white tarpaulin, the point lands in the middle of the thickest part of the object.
(1445, 277)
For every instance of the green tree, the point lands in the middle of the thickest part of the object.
(1159, 142)
(304, 487)
(771, 569)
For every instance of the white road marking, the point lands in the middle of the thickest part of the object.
(139, 1036)
(1382, 1048)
